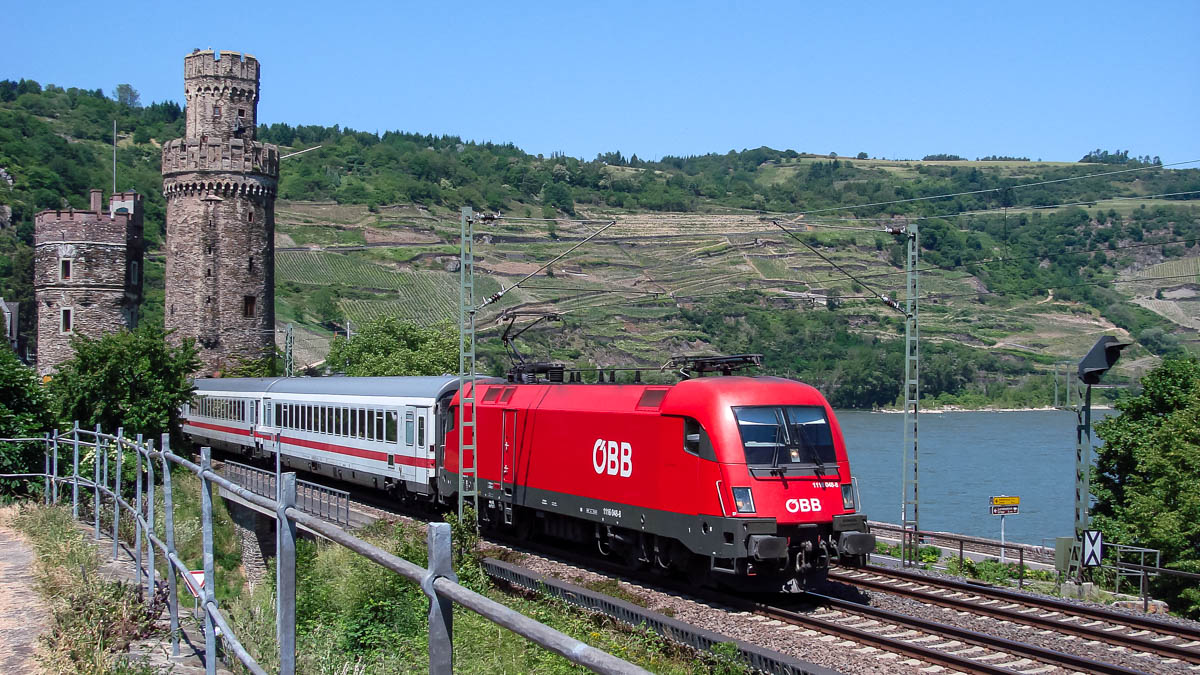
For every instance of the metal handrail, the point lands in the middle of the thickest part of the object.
(437, 581)
(312, 498)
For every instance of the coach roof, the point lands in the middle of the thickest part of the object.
(431, 387)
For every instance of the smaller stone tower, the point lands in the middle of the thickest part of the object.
(87, 273)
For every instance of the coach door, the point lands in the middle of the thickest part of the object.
(508, 450)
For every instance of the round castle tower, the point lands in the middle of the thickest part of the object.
(220, 189)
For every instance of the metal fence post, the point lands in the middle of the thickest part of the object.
(150, 520)
(441, 610)
(285, 575)
(137, 513)
(169, 524)
(54, 467)
(96, 483)
(1021, 567)
(46, 469)
(75, 472)
(117, 494)
(206, 514)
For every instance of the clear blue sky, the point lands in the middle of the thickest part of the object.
(1043, 79)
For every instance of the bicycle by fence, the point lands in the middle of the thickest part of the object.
(437, 581)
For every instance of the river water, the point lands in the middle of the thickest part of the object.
(966, 457)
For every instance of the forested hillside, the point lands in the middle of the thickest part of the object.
(1018, 240)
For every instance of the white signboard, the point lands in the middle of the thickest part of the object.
(1093, 545)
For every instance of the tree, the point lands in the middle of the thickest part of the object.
(128, 96)
(1145, 482)
(389, 346)
(862, 155)
(24, 413)
(130, 380)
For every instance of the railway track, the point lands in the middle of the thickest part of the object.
(875, 630)
(932, 642)
(1172, 642)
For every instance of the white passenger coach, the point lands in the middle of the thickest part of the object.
(375, 431)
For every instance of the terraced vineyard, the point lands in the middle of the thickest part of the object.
(1179, 267)
(322, 269)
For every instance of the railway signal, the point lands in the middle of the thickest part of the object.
(1100, 358)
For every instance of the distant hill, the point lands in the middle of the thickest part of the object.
(696, 231)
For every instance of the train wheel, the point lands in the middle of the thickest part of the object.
(697, 571)
(522, 525)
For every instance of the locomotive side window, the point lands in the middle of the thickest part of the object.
(691, 435)
(508, 394)
(491, 395)
(696, 440)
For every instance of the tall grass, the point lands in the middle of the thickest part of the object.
(93, 619)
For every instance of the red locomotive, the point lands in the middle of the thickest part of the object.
(743, 480)
(740, 476)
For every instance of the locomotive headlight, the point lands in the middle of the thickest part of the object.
(848, 496)
(744, 499)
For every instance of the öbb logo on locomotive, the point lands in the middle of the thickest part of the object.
(612, 458)
(805, 505)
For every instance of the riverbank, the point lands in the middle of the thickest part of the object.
(955, 408)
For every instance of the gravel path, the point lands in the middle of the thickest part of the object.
(22, 611)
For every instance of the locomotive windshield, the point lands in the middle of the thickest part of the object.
(776, 436)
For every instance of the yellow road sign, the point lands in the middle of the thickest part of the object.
(1005, 501)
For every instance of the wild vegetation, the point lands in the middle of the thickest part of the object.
(1144, 479)
(92, 619)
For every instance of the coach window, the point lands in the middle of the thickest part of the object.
(379, 425)
(421, 431)
(408, 428)
(362, 423)
(389, 428)
(278, 419)
(370, 425)
(353, 422)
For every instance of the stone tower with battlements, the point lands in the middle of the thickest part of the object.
(87, 273)
(219, 185)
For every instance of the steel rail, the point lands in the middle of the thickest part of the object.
(1058, 625)
(893, 645)
(1043, 654)
(979, 588)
